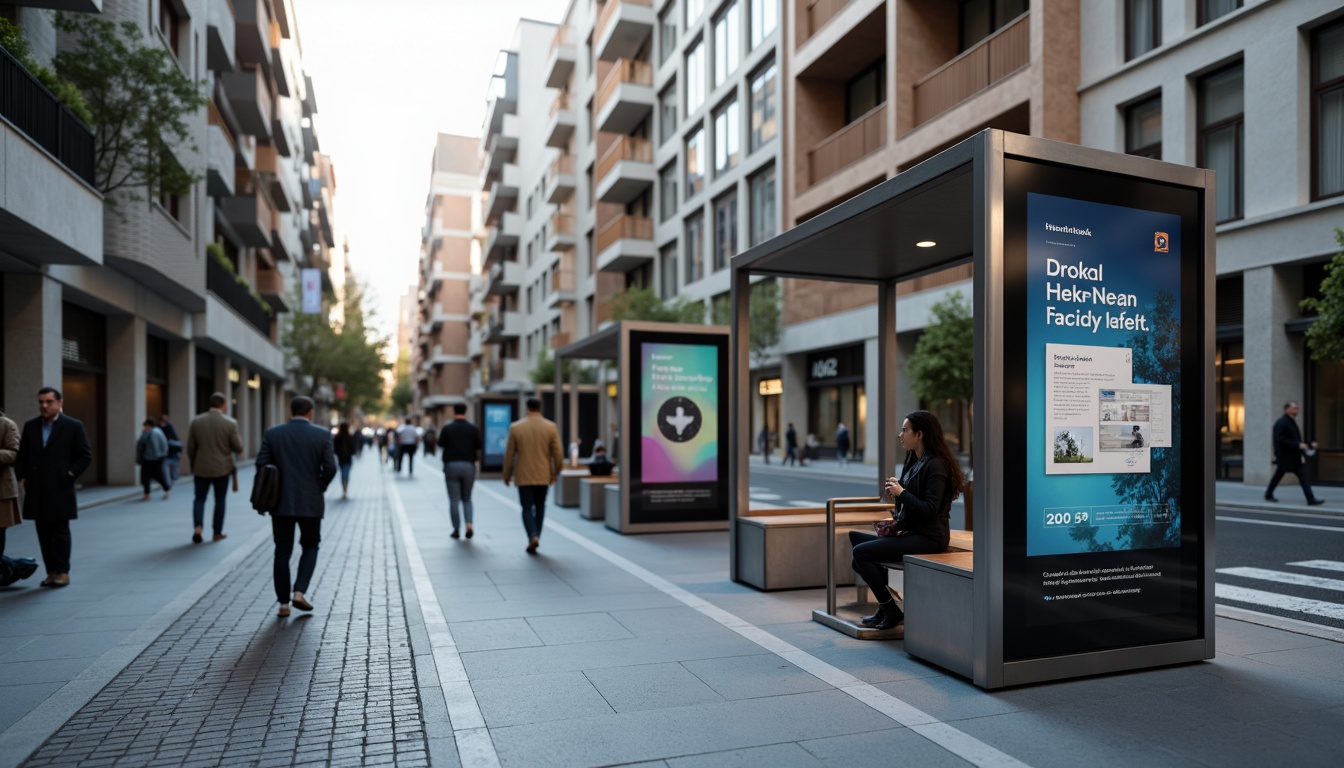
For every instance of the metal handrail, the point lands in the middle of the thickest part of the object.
(855, 504)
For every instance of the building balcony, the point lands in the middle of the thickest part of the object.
(625, 243)
(283, 121)
(220, 37)
(273, 286)
(561, 180)
(238, 296)
(623, 27)
(561, 340)
(285, 241)
(562, 121)
(626, 97)
(503, 237)
(625, 170)
(560, 60)
(503, 103)
(817, 15)
(562, 234)
(503, 193)
(250, 98)
(253, 27)
(278, 68)
(249, 213)
(503, 327)
(474, 346)
(284, 194)
(987, 62)
(502, 147)
(562, 288)
(505, 277)
(440, 356)
(221, 152)
(848, 145)
(508, 370)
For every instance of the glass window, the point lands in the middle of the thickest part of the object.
(694, 10)
(978, 19)
(727, 43)
(695, 164)
(667, 256)
(1221, 144)
(764, 224)
(667, 34)
(764, 105)
(695, 248)
(1143, 27)
(667, 113)
(866, 91)
(764, 19)
(727, 138)
(725, 230)
(667, 192)
(1213, 9)
(695, 77)
(1143, 128)
(1327, 73)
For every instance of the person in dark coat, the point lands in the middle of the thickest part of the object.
(53, 452)
(304, 454)
(842, 443)
(1288, 450)
(346, 447)
(790, 444)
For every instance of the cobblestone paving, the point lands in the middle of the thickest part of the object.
(231, 684)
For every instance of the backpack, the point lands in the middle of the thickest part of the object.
(266, 489)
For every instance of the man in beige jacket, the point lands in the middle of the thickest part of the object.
(533, 458)
(212, 440)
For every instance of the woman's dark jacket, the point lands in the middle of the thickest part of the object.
(924, 507)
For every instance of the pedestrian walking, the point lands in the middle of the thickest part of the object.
(304, 455)
(763, 442)
(461, 443)
(212, 441)
(172, 465)
(346, 447)
(1289, 449)
(151, 450)
(790, 444)
(11, 569)
(53, 452)
(408, 439)
(842, 443)
(431, 441)
(533, 458)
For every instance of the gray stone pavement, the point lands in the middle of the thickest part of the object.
(600, 650)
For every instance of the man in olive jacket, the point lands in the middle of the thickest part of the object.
(53, 452)
(212, 440)
(306, 458)
(533, 458)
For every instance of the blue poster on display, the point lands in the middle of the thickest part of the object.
(497, 417)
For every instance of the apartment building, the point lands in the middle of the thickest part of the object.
(441, 365)
(1253, 89)
(149, 306)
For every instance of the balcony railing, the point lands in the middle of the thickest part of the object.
(818, 13)
(626, 71)
(563, 223)
(562, 281)
(624, 227)
(221, 282)
(563, 102)
(561, 37)
(609, 12)
(626, 148)
(560, 340)
(26, 103)
(848, 145)
(989, 61)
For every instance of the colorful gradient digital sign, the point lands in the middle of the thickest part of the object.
(679, 413)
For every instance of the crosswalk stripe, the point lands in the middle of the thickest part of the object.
(1284, 577)
(1324, 565)
(1280, 523)
(1282, 602)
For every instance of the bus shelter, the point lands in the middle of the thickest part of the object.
(1093, 376)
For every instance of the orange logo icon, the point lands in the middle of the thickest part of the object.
(1160, 242)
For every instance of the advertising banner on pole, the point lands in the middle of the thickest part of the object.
(312, 290)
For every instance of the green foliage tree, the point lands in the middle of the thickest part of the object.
(765, 328)
(544, 370)
(943, 363)
(1325, 337)
(139, 101)
(644, 304)
(340, 352)
(12, 40)
(402, 396)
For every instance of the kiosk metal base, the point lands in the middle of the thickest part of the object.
(846, 619)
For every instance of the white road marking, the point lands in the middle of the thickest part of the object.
(1284, 577)
(766, 496)
(1335, 528)
(1324, 565)
(1282, 602)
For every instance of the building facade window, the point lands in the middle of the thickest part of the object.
(1143, 27)
(695, 163)
(1327, 81)
(695, 248)
(695, 77)
(694, 10)
(667, 34)
(867, 90)
(1221, 140)
(764, 215)
(667, 193)
(727, 138)
(667, 113)
(764, 105)
(725, 230)
(1210, 10)
(727, 43)
(978, 19)
(667, 265)
(764, 19)
(171, 24)
(1143, 128)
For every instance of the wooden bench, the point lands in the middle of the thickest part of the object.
(777, 548)
(939, 590)
(567, 486)
(592, 496)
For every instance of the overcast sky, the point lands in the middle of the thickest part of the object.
(388, 77)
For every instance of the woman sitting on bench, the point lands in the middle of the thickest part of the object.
(930, 479)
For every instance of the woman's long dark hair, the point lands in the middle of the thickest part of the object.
(935, 445)
(344, 429)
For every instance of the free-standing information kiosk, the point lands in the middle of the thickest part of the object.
(495, 417)
(673, 396)
(1093, 446)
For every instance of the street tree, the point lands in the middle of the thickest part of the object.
(1325, 337)
(544, 370)
(764, 328)
(644, 304)
(337, 351)
(943, 364)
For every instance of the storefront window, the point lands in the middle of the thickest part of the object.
(830, 405)
(1229, 367)
(1325, 422)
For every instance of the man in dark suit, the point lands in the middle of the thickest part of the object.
(304, 454)
(53, 452)
(1288, 450)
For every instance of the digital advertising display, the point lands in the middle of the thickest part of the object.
(496, 418)
(678, 457)
(1100, 276)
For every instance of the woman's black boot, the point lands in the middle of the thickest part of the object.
(876, 618)
(892, 617)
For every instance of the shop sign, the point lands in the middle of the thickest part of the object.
(844, 363)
